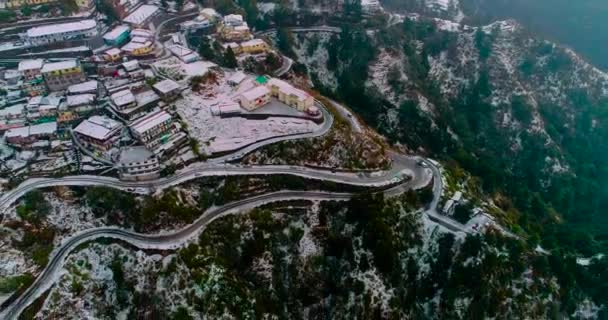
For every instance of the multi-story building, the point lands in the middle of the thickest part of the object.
(62, 32)
(288, 94)
(123, 99)
(137, 164)
(142, 15)
(238, 33)
(154, 129)
(33, 83)
(30, 69)
(138, 47)
(61, 75)
(167, 89)
(41, 108)
(91, 86)
(254, 46)
(117, 36)
(99, 133)
(24, 136)
(112, 55)
(81, 103)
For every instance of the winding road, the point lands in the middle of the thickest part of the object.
(406, 173)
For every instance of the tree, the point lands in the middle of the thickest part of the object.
(26, 11)
(34, 207)
(285, 41)
(230, 59)
(205, 49)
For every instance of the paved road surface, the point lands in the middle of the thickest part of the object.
(419, 175)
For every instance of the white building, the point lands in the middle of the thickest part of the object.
(184, 54)
(254, 98)
(137, 164)
(142, 15)
(153, 129)
(61, 32)
(233, 20)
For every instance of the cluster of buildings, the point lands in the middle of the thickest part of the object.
(267, 88)
(237, 36)
(36, 77)
(127, 42)
(121, 115)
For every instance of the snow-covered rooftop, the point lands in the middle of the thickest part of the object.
(135, 154)
(54, 66)
(141, 33)
(80, 99)
(146, 97)
(88, 86)
(233, 19)
(253, 42)
(38, 129)
(12, 111)
(116, 32)
(255, 93)
(142, 14)
(30, 64)
(139, 39)
(113, 51)
(123, 97)
(287, 88)
(237, 77)
(61, 28)
(131, 46)
(150, 121)
(98, 127)
(131, 65)
(179, 50)
(166, 86)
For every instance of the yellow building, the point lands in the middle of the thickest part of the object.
(138, 48)
(290, 95)
(254, 46)
(112, 55)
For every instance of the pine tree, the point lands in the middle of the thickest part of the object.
(230, 59)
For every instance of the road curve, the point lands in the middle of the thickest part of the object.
(177, 239)
(328, 121)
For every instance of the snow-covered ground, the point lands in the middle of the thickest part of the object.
(217, 134)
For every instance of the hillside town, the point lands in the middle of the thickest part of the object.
(141, 100)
